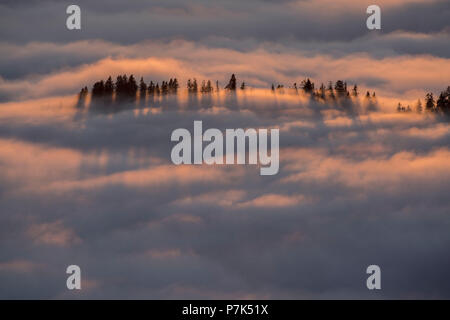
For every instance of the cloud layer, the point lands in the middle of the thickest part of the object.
(99, 190)
(93, 185)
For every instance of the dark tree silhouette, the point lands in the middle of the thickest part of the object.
(109, 87)
(151, 88)
(164, 87)
(203, 87)
(330, 91)
(443, 102)
(132, 86)
(174, 86)
(419, 107)
(209, 87)
(82, 97)
(232, 83)
(341, 88)
(98, 89)
(142, 87)
(192, 86)
(121, 86)
(401, 108)
(355, 91)
(195, 85)
(206, 87)
(429, 102)
(322, 91)
(83, 93)
(126, 87)
(307, 86)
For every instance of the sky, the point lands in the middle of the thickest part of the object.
(358, 184)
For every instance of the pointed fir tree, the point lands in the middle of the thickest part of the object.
(232, 83)
(429, 102)
(355, 91)
(419, 107)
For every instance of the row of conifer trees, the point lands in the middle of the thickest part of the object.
(442, 105)
(125, 87)
(338, 90)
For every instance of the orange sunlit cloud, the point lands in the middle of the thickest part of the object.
(399, 77)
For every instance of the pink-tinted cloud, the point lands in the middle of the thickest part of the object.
(53, 234)
(396, 77)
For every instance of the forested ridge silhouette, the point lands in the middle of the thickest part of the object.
(126, 88)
